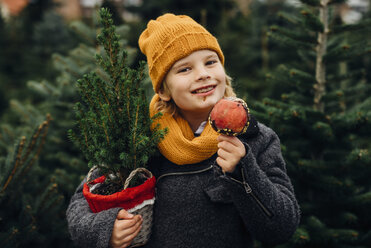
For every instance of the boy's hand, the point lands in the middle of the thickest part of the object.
(230, 152)
(125, 229)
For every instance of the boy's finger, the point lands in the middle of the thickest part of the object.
(127, 236)
(123, 214)
(221, 162)
(128, 223)
(128, 233)
(231, 139)
(227, 146)
(225, 155)
(127, 241)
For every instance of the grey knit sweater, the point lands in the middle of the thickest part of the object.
(199, 206)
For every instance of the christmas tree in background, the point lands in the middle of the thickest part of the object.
(26, 36)
(29, 196)
(44, 44)
(113, 124)
(242, 34)
(324, 124)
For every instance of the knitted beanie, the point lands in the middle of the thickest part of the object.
(170, 38)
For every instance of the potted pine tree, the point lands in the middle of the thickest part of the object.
(113, 130)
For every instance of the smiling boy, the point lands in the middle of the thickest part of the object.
(211, 190)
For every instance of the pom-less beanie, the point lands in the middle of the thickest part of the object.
(170, 38)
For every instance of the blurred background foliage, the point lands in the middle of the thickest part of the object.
(271, 51)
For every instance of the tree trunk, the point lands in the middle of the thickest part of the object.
(320, 86)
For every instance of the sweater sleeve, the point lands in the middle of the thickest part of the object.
(88, 229)
(262, 191)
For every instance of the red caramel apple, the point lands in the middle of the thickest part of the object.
(230, 116)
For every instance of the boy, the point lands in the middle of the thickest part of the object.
(212, 190)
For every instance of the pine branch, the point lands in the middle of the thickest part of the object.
(44, 130)
(105, 97)
(354, 74)
(294, 35)
(312, 22)
(290, 42)
(361, 26)
(16, 164)
(297, 99)
(35, 137)
(22, 163)
(344, 52)
(84, 133)
(301, 80)
(289, 18)
(45, 198)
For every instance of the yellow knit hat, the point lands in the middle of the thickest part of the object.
(170, 38)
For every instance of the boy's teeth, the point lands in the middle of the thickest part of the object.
(203, 90)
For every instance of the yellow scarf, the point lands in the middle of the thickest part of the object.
(180, 146)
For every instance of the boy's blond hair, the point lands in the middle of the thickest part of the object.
(170, 106)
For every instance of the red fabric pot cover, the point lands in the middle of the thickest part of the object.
(127, 198)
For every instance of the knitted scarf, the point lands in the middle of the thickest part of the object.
(180, 146)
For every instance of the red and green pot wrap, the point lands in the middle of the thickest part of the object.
(135, 200)
(126, 199)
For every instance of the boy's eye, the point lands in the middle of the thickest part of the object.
(185, 69)
(211, 62)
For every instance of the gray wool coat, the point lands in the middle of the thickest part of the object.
(200, 206)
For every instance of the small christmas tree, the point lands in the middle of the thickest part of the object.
(113, 122)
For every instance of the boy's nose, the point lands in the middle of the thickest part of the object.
(202, 74)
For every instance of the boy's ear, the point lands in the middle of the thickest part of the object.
(164, 95)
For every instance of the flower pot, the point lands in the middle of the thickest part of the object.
(135, 200)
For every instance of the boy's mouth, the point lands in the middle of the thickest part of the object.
(204, 89)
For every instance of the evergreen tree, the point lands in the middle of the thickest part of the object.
(113, 123)
(29, 196)
(324, 125)
(51, 35)
(26, 52)
(249, 53)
